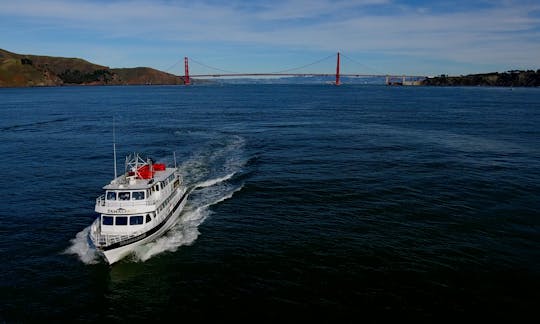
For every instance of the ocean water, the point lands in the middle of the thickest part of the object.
(352, 204)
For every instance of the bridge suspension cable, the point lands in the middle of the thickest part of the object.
(175, 64)
(276, 72)
(211, 67)
(304, 66)
(363, 65)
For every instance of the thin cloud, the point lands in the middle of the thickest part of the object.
(497, 32)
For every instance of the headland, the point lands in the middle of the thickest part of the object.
(22, 70)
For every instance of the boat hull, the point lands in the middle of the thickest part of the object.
(117, 251)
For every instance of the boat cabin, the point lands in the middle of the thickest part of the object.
(132, 201)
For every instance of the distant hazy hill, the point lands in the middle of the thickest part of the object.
(505, 79)
(18, 70)
(300, 80)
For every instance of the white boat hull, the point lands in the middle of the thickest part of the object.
(116, 254)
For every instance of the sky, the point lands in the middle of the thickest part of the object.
(417, 37)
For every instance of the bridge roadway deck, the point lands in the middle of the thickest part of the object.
(298, 74)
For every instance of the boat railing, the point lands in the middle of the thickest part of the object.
(100, 201)
(108, 239)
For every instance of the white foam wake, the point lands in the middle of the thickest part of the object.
(224, 156)
(81, 248)
(186, 231)
(211, 182)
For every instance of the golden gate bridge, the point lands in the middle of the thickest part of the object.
(389, 78)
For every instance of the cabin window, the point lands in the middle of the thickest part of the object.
(137, 195)
(121, 220)
(136, 220)
(111, 195)
(124, 195)
(157, 187)
(148, 218)
(107, 220)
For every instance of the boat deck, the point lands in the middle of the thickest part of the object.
(131, 182)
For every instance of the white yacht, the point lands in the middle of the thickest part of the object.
(137, 207)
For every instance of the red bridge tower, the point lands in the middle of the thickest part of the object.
(337, 70)
(186, 71)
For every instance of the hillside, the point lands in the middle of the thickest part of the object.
(18, 70)
(505, 79)
(144, 75)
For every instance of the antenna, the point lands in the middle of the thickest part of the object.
(114, 148)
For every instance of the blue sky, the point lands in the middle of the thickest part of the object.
(377, 36)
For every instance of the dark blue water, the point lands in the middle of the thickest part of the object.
(355, 203)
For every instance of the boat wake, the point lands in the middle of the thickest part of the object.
(209, 175)
(81, 247)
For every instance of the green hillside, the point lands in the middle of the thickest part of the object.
(19, 70)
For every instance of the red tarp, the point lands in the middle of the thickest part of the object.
(159, 167)
(145, 172)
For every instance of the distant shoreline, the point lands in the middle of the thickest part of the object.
(22, 70)
(513, 78)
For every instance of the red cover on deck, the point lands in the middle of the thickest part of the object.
(159, 167)
(144, 172)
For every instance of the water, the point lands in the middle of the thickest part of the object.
(352, 203)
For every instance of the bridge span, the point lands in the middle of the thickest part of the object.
(389, 79)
